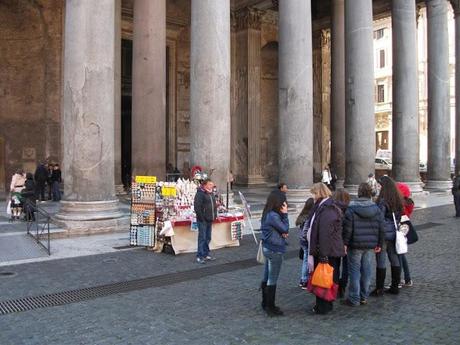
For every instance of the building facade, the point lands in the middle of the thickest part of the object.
(267, 90)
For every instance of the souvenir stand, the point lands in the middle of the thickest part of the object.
(165, 220)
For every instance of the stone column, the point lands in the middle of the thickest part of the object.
(88, 116)
(338, 91)
(456, 7)
(210, 88)
(117, 112)
(359, 78)
(295, 95)
(438, 174)
(248, 66)
(149, 89)
(405, 95)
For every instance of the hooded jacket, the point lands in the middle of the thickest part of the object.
(364, 226)
(205, 206)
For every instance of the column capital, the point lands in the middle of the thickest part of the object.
(247, 18)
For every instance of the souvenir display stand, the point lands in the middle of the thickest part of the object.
(163, 219)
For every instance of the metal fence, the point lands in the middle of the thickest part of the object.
(38, 224)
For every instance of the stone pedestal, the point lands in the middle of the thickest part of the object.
(88, 116)
(338, 91)
(405, 95)
(359, 76)
(149, 89)
(210, 88)
(438, 172)
(295, 94)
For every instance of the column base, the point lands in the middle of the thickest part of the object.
(339, 184)
(120, 189)
(434, 185)
(256, 180)
(298, 196)
(92, 217)
(351, 188)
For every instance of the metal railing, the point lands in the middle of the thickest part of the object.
(38, 224)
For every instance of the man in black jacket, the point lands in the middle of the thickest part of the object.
(40, 176)
(456, 194)
(363, 234)
(206, 211)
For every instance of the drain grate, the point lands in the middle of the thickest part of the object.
(7, 274)
(79, 295)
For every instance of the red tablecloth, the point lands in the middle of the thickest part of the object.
(222, 219)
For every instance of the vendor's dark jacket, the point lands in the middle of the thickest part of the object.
(205, 206)
(326, 230)
(364, 226)
(273, 226)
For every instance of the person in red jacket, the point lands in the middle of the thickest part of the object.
(408, 209)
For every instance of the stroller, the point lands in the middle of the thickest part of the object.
(17, 203)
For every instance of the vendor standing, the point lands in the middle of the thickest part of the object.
(206, 211)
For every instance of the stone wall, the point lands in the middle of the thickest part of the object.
(30, 84)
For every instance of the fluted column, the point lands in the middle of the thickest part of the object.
(456, 7)
(338, 91)
(117, 112)
(359, 76)
(210, 88)
(149, 88)
(438, 174)
(88, 114)
(405, 95)
(295, 94)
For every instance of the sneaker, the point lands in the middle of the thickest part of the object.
(303, 286)
(200, 261)
(209, 258)
(363, 302)
(408, 283)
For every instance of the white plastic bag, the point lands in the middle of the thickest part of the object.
(260, 254)
(8, 208)
(401, 243)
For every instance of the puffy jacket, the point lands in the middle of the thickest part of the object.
(272, 227)
(326, 230)
(363, 227)
(205, 206)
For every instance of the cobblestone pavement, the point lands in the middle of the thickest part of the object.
(225, 308)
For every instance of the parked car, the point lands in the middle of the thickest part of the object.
(382, 164)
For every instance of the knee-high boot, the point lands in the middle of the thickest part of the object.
(395, 278)
(272, 309)
(263, 287)
(379, 282)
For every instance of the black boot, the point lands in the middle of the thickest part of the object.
(395, 279)
(263, 287)
(342, 288)
(272, 309)
(379, 282)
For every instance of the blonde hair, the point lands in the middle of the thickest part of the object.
(321, 190)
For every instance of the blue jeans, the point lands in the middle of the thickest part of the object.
(304, 270)
(405, 266)
(272, 266)
(360, 273)
(204, 237)
(56, 191)
(392, 255)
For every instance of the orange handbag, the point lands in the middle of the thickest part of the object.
(322, 276)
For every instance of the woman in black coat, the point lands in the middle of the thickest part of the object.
(28, 195)
(326, 244)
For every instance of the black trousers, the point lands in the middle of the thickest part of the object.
(323, 306)
(40, 190)
(457, 204)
